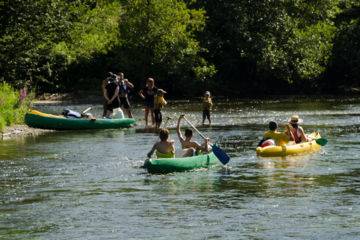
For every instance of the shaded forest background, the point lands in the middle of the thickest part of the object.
(230, 47)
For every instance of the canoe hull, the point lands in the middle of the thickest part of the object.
(296, 149)
(168, 165)
(38, 119)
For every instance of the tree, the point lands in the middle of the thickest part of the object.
(158, 39)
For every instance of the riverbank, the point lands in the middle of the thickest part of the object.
(17, 131)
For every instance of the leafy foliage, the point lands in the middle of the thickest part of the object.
(257, 46)
(158, 38)
(11, 110)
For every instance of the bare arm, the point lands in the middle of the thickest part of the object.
(103, 87)
(129, 84)
(141, 94)
(289, 133)
(115, 94)
(205, 147)
(304, 138)
(172, 148)
(152, 150)
(178, 131)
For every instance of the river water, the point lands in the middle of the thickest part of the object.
(90, 184)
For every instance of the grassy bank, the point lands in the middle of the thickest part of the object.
(12, 110)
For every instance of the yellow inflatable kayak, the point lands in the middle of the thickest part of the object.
(294, 149)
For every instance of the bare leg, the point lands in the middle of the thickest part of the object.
(146, 116)
(128, 112)
(203, 119)
(152, 116)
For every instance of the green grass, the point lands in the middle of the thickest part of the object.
(11, 110)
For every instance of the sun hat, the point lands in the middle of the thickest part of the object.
(161, 91)
(295, 119)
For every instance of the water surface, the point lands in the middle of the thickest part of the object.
(89, 184)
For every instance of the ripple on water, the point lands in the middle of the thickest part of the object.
(89, 184)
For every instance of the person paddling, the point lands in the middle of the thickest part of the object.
(295, 131)
(190, 148)
(164, 148)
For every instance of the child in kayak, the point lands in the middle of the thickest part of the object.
(165, 147)
(295, 131)
(190, 148)
(207, 105)
(159, 103)
(280, 138)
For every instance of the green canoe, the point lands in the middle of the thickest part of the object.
(167, 165)
(38, 119)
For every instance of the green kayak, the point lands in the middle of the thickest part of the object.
(38, 119)
(167, 165)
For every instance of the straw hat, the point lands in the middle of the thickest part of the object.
(295, 119)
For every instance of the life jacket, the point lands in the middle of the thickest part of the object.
(159, 102)
(164, 155)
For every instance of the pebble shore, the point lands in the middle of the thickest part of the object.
(20, 131)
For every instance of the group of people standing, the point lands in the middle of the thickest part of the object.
(116, 90)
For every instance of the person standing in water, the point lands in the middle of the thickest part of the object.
(110, 89)
(159, 103)
(148, 94)
(207, 105)
(124, 87)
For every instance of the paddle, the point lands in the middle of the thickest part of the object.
(219, 153)
(86, 110)
(321, 141)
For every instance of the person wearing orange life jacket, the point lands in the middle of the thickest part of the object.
(294, 131)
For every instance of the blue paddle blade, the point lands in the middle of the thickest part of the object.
(220, 154)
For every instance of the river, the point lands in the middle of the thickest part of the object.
(90, 184)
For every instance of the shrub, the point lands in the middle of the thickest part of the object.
(11, 110)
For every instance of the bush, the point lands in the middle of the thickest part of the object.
(11, 110)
